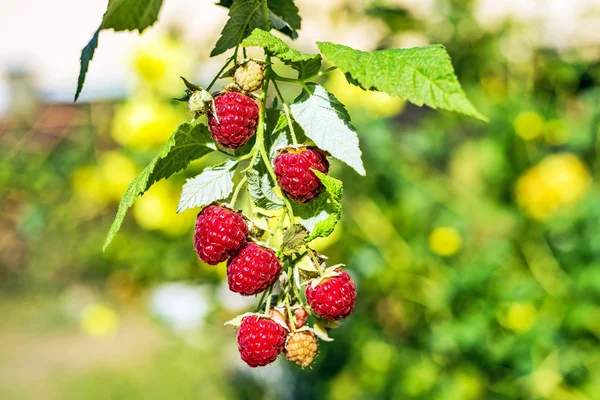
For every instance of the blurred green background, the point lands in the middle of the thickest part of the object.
(475, 247)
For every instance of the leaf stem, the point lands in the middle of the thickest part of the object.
(220, 72)
(268, 306)
(292, 323)
(286, 109)
(274, 76)
(265, 10)
(262, 298)
(319, 74)
(237, 190)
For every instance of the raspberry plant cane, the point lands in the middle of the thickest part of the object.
(276, 151)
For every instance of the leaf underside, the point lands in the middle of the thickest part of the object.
(325, 120)
(421, 75)
(215, 183)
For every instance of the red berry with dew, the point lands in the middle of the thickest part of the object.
(237, 119)
(219, 234)
(333, 298)
(252, 270)
(293, 168)
(260, 340)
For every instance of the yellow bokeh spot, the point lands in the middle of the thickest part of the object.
(88, 184)
(117, 172)
(156, 210)
(520, 317)
(159, 60)
(559, 180)
(377, 104)
(144, 123)
(99, 320)
(529, 125)
(445, 241)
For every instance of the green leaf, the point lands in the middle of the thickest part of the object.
(294, 239)
(86, 56)
(244, 16)
(129, 15)
(120, 15)
(325, 120)
(285, 10)
(283, 15)
(189, 142)
(305, 64)
(321, 215)
(421, 75)
(212, 184)
(260, 187)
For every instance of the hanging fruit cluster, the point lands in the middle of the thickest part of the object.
(223, 233)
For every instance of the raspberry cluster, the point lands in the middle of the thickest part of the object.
(222, 234)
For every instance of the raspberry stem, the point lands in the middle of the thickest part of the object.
(289, 311)
(220, 72)
(237, 190)
(287, 111)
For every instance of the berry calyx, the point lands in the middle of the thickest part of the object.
(333, 298)
(249, 75)
(301, 348)
(219, 234)
(252, 270)
(235, 121)
(260, 340)
(293, 168)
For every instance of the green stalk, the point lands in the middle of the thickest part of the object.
(286, 109)
(265, 10)
(219, 73)
(237, 190)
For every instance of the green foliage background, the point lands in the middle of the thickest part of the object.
(513, 315)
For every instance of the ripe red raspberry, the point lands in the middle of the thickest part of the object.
(238, 116)
(252, 270)
(260, 340)
(301, 348)
(219, 234)
(294, 175)
(333, 298)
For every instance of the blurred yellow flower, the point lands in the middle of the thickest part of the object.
(378, 104)
(99, 320)
(117, 172)
(156, 210)
(445, 241)
(105, 182)
(88, 185)
(520, 317)
(144, 123)
(528, 125)
(159, 60)
(559, 180)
